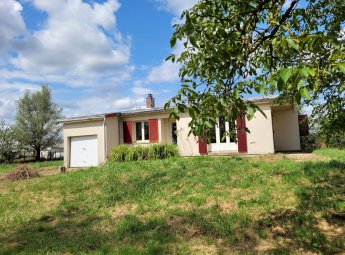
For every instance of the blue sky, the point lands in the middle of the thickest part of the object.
(96, 56)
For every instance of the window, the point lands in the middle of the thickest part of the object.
(174, 132)
(142, 131)
(217, 135)
(222, 129)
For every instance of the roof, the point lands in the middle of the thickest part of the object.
(146, 110)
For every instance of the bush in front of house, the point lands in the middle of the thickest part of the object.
(124, 152)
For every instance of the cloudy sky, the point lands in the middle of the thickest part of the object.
(96, 55)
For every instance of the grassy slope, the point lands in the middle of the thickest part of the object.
(37, 165)
(181, 206)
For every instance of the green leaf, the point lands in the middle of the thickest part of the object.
(209, 124)
(280, 84)
(173, 41)
(299, 85)
(285, 74)
(305, 93)
(298, 98)
(236, 94)
(341, 66)
(293, 43)
(304, 71)
(250, 112)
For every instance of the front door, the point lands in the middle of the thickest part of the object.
(218, 141)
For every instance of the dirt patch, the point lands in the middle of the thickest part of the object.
(280, 156)
(22, 173)
(304, 156)
(331, 230)
(121, 210)
(180, 225)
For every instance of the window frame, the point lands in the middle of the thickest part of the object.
(143, 140)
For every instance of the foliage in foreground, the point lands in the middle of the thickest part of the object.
(124, 152)
(180, 206)
(234, 48)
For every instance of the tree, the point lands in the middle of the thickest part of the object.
(8, 142)
(36, 120)
(234, 48)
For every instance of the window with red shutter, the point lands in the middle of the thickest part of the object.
(127, 132)
(153, 131)
(202, 146)
(241, 134)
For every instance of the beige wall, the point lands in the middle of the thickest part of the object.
(84, 128)
(188, 145)
(260, 138)
(286, 130)
(165, 131)
(112, 133)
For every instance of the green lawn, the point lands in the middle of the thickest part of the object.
(202, 205)
(37, 165)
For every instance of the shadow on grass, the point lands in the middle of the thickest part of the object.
(313, 226)
(64, 232)
(317, 223)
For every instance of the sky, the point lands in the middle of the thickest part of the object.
(96, 56)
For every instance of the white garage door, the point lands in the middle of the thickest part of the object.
(84, 151)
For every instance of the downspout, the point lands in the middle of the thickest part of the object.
(105, 139)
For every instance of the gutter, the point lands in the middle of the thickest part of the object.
(105, 138)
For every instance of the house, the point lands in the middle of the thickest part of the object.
(88, 140)
(54, 152)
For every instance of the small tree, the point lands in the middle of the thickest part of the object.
(36, 120)
(8, 142)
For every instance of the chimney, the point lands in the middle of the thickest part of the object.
(150, 101)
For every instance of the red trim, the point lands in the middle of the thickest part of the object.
(153, 131)
(241, 134)
(202, 146)
(127, 132)
(110, 115)
(303, 125)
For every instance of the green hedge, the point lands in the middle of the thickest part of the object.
(124, 152)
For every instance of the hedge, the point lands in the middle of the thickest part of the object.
(124, 152)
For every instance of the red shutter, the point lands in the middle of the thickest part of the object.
(127, 132)
(241, 134)
(153, 131)
(202, 146)
(303, 125)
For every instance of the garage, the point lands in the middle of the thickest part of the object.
(84, 151)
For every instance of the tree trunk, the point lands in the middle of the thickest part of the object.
(38, 154)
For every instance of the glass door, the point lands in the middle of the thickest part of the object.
(218, 141)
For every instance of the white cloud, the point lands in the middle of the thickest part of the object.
(176, 6)
(78, 45)
(100, 104)
(167, 71)
(9, 94)
(11, 21)
(139, 90)
(78, 40)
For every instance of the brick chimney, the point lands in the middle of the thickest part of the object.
(150, 101)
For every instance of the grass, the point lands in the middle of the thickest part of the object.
(203, 205)
(4, 168)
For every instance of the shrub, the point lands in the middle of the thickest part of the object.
(119, 153)
(123, 152)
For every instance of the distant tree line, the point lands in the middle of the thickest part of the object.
(36, 126)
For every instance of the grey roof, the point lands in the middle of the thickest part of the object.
(145, 110)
